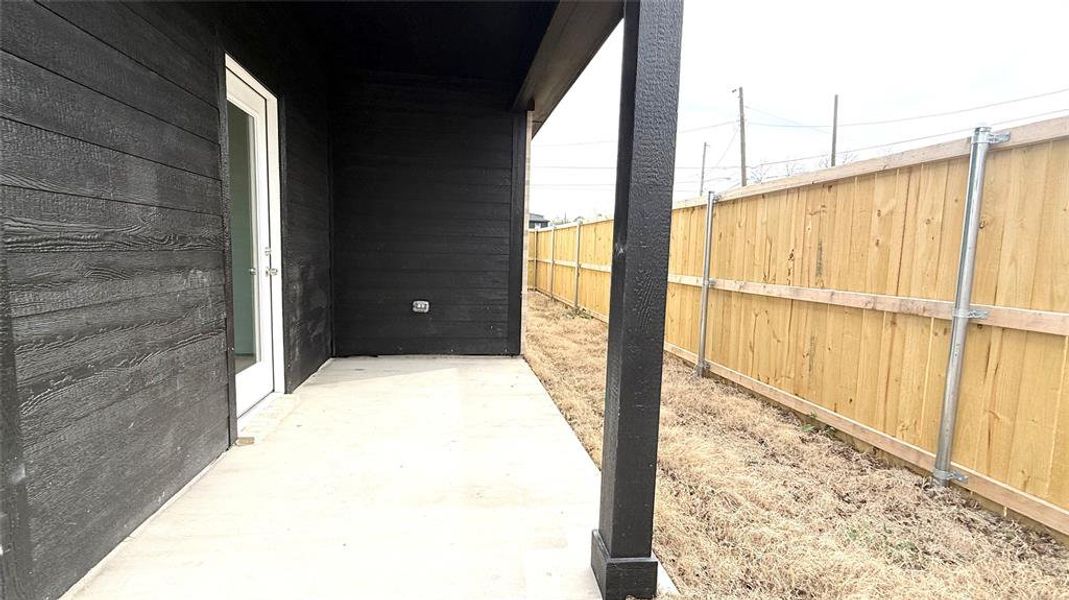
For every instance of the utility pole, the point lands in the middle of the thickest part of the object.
(742, 135)
(834, 128)
(701, 185)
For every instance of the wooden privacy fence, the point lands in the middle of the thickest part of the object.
(831, 293)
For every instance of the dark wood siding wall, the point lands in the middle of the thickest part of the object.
(113, 237)
(113, 210)
(427, 206)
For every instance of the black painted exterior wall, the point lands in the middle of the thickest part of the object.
(428, 206)
(116, 374)
(117, 384)
(114, 242)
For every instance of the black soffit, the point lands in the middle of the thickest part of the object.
(493, 41)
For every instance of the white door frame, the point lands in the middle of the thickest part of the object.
(274, 203)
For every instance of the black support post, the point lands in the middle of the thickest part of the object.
(517, 233)
(621, 552)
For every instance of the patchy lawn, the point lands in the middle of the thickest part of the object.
(754, 503)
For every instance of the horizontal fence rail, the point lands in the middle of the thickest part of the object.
(832, 293)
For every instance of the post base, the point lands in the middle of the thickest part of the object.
(619, 578)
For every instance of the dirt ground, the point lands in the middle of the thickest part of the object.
(754, 503)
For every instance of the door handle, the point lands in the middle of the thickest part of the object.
(252, 270)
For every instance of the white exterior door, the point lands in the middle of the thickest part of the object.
(252, 119)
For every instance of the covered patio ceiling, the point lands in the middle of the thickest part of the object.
(536, 48)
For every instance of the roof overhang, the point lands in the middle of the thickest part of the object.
(576, 31)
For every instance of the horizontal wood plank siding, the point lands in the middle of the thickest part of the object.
(114, 239)
(48, 101)
(118, 26)
(113, 236)
(423, 183)
(39, 36)
(42, 160)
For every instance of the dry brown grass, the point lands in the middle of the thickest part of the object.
(754, 503)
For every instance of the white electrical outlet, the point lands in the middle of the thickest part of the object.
(421, 306)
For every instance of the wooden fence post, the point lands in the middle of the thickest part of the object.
(552, 258)
(578, 237)
(535, 258)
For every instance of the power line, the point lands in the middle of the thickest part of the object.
(718, 166)
(915, 139)
(954, 112)
(703, 127)
(794, 123)
(862, 149)
(727, 147)
(791, 123)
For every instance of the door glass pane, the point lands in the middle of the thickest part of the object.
(243, 237)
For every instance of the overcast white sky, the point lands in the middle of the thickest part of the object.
(886, 61)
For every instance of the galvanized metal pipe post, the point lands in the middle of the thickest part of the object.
(982, 139)
(703, 309)
(578, 237)
(552, 257)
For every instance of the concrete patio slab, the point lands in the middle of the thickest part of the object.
(399, 477)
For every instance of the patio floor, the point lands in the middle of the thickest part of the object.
(399, 477)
